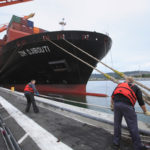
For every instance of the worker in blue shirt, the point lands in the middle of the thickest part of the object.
(123, 101)
(29, 92)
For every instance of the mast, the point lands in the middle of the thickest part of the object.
(62, 23)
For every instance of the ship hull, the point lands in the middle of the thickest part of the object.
(33, 57)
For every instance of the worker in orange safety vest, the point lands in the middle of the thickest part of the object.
(29, 92)
(123, 100)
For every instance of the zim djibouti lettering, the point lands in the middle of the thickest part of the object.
(34, 51)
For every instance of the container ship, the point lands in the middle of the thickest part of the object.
(25, 54)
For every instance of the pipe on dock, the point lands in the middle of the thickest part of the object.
(8, 137)
(141, 131)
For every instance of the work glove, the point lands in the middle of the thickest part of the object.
(112, 107)
(37, 94)
(147, 113)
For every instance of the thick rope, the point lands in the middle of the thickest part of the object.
(62, 99)
(147, 97)
(117, 72)
(106, 75)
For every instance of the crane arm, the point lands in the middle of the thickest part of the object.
(3, 28)
(11, 2)
(29, 16)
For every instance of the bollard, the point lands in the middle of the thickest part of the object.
(12, 88)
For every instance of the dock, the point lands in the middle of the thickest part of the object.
(55, 127)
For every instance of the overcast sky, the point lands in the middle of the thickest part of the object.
(126, 21)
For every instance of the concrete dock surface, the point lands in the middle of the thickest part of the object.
(54, 128)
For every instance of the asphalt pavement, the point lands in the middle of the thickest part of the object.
(75, 134)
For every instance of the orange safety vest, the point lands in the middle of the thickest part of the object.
(125, 89)
(28, 89)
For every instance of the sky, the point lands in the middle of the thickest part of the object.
(126, 21)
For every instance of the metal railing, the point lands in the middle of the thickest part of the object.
(8, 137)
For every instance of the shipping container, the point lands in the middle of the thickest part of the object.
(24, 21)
(30, 30)
(16, 26)
(14, 34)
(36, 30)
(23, 28)
(15, 19)
(26, 29)
(30, 23)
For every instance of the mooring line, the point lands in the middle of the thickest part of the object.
(114, 70)
(106, 75)
(146, 98)
(62, 99)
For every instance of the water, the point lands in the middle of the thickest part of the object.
(105, 87)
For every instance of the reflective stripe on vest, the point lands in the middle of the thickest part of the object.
(125, 89)
(28, 89)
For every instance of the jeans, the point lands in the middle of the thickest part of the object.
(30, 100)
(127, 111)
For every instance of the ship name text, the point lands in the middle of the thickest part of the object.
(34, 51)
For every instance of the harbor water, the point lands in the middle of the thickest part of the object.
(105, 87)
